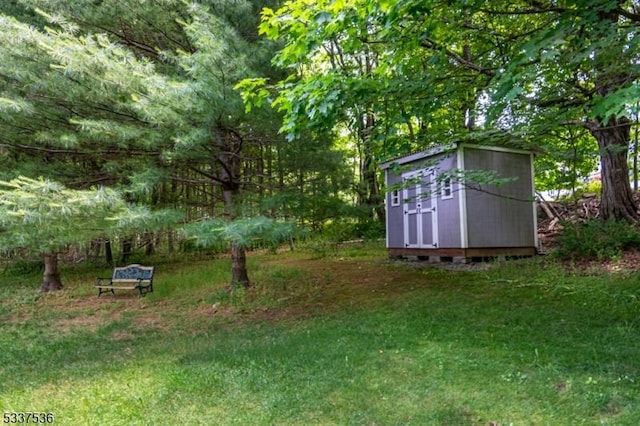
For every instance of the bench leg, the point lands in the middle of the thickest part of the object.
(101, 290)
(143, 290)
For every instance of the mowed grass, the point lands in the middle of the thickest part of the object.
(348, 338)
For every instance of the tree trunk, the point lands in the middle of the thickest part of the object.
(150, 242)
(614, 134)
(371, 195)
(170, 241)
(108, 253)
(51, 276)
(613, 140)
(127, 249)
(229, 160)
(239, 274)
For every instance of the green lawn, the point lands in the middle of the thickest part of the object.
(343, 339)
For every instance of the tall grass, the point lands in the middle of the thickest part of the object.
(523, 343)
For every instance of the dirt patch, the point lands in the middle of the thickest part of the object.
(66, 311)
(67, 325)
(353, 281)
(449, 266)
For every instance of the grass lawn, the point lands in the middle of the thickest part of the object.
(345, 338)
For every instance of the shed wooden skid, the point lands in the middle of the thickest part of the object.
(430, 212)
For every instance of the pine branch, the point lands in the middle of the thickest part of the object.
(206, 174)
(90, 153)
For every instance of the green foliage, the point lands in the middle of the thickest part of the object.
(349, 229)
(42, 215)
(131, 95)
(570, 157)
(142, 219)
(370, 230)
(596, 239)
(358, 234)
(315, 180)
(556, 75)
(23, 267)
(246, 232)
(593, 187)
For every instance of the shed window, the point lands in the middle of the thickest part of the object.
(395, 198)
(446, 191)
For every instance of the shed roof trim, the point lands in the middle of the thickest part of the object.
(439, 149)
(429, 152)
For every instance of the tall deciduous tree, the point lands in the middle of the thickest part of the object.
(578, 66)
(524, 67)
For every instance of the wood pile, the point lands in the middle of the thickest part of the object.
(551, 215)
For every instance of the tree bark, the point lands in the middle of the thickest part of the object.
(229, 160)
(239, 274)
(150, 242)
(51, 276)
(370, 192)
(108, 253)
(613, 134)
(613, 140)
(170, 241)
(127, 249)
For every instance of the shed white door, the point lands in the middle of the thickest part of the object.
(420, 218)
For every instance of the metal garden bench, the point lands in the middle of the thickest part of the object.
(128, 277)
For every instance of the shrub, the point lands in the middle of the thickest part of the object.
(596, 239)
(23, 267)
(370, 230)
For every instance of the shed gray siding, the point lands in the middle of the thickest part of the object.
(395, 219)
(448, 209)
(500, 216)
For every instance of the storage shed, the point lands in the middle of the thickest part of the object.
(434, 207)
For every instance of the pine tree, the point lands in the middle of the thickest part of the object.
(45, 217)
(136, 98)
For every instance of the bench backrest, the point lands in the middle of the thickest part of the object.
(133, 272)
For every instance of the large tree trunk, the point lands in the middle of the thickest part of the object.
(613, 141)
(51, 276)
(614, 134)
